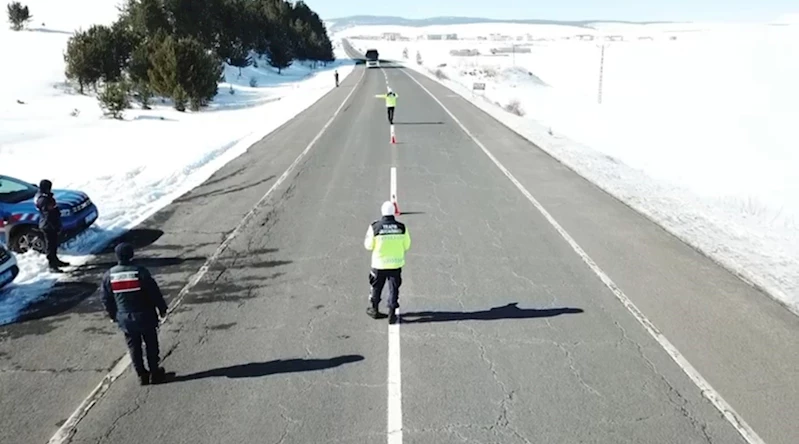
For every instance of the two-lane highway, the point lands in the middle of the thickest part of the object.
(507, 335)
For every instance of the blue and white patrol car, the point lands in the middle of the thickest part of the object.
(8, 265)
(19, 217)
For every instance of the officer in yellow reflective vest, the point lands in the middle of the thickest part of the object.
(391, 103)
(388, 239)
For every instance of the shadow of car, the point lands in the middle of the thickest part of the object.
(8, 266)
(20, 217)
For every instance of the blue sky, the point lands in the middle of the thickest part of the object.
(641, 10)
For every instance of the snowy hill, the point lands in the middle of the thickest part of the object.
(47, 130)
(340, 24)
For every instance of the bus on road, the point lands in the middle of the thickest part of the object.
(372, 58)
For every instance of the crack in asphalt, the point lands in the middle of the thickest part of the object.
(136, 406)
(673, 395)
(502, 420)
(289, 422)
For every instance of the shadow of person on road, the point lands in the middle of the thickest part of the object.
(510, 311)
(260, 369)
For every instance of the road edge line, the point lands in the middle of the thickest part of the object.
(715, 398)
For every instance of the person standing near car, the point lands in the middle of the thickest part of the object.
(50, 223)
(131, 298)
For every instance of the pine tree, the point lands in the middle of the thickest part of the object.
(114, 98)
(18, 15)
(144, 17)
(86, 57)
(163, 66)
(182, 66)
(239, 56)
(280, 55)
(198, 71)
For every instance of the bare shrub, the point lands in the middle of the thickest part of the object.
(514, 107)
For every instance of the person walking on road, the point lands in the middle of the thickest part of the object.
(388, 239)
(131, 297)
(336, 75)
(50, 224)
(391, 103)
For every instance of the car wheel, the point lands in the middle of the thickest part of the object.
(28, 239)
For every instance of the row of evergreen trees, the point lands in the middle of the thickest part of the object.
(176, 48)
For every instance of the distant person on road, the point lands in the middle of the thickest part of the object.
(50, 224)
(131, 297)
(391, 103)
(336, 74)
(388, 240)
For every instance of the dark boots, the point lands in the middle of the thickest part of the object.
(156, 377)
(374, 313)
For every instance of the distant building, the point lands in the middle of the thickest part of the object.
(464, 52)
(392, 36)
(614, 38)
(451, 37)
(512, 50)
(586, 37)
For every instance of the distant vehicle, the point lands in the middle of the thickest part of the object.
(372, 58)
(8, 266)
(21, 218)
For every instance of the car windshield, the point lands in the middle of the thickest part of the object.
(15, 191)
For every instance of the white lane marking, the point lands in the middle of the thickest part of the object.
(65, 432)
(394, 384)
(394, 363)
(393, 184)
(704, 386)
(385, 76)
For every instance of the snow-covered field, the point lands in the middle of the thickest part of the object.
(129, 168)
(695, 130)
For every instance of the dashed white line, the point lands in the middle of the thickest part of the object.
(393, 184)
(67, 430)
(707, 390)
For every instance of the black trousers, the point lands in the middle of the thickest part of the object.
(51, 241)
(390, 114)
(134, 339)
(378, 278)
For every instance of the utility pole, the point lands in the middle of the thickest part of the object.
(513, 52)
(601, 69)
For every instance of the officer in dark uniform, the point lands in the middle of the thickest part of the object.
(50, 223)
(336, 74)
(131, 297)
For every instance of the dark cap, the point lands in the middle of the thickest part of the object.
(124, 252)
(45, 185)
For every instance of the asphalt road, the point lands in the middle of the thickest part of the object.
(506, 335)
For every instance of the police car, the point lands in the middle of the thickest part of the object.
(20, 218)
(8, 266)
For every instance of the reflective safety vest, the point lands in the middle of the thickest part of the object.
(388, 240)
(391, 99)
